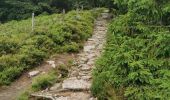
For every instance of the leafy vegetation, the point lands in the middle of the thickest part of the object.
(46, 80)
(22, 49)
(22, 9)
(43, 81)
(136, 61)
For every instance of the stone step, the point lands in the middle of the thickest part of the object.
(75, 96)
(76, 84)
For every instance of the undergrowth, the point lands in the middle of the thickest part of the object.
(136, 62)
(46, 80)
(21, 49)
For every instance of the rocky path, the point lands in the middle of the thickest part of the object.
(77, 85)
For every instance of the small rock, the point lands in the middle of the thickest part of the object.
(83, 74)
(85, 68)
(33, 73)
(84, 59)
(93, 99)
(88, 48)
(55, 87)
(53, 66)
(90, 63)
(74, 73)
(91, 56)
(51, 62)
(86, 77)
(91, 39)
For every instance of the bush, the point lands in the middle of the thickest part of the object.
(135, 62)
(54, 33)
(24, 96)
(9, 74)
(43, 81)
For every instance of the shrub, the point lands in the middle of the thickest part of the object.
(10, 74)
(24, 96)
(43, 81)
(54, 33)
(135, 62)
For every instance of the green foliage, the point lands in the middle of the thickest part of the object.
(9, 74)
(43, 81)
(135, 63)
(23, 9)
(24, 96)
(55, 33)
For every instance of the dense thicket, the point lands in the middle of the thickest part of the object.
(22, 49)
(136, 61)
(22, 9)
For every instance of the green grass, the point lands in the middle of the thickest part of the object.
(21, 49)
(43, 81)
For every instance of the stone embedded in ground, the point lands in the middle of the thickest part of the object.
(90, 56)
(88, 48)
(93, 98)
(51, 62)
(83, 60)
(85, 72)
(90, 63)
(33, 73)
(91, 39)
(55, 87)
(85, 67)
(75, 84)
(53, 66)
(74, 73)
(88, 77)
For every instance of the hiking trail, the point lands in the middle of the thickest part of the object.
(77, 85)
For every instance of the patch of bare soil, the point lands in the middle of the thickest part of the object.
(11, 92)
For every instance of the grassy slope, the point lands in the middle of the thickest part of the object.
(21, 49)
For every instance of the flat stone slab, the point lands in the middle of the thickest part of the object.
(88, 48)
(33, 73)
(75, 84)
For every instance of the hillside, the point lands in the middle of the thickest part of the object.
(85, 50)
(22, 49)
